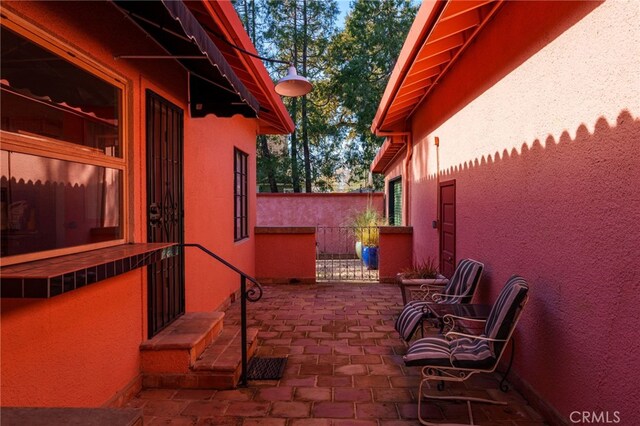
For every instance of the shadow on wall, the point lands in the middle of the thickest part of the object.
(566, 216)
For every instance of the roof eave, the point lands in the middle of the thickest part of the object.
(424, 21)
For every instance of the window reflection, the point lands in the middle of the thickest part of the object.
(45, 95)
(48, 203)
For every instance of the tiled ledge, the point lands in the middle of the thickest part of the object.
(285, 230)
(51, 277)
(396, 229)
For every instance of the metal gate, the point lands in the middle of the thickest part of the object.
(340, 251)
(164, 209)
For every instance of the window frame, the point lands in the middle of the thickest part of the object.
(393, 208)
(43, 146)
(240, 232)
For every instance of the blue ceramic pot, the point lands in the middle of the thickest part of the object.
(370, 257)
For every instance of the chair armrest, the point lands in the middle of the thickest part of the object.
(448, 296)
(449, 322)
(437, 285)
(473, 336)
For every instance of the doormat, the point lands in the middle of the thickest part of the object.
(266, 368)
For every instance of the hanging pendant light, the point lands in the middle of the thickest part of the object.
(293, 85)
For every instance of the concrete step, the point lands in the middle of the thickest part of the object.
(176, 348)
(218, 367)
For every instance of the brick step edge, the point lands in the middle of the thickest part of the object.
(204, 379)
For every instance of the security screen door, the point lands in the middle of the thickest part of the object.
(164, 209)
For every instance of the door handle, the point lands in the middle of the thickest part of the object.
(155, 217)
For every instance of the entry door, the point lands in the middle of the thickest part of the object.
(164, 209)
(447, 212)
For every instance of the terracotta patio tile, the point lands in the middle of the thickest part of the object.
(219, 421)
(366, 359)
(377, 410)
(317, 350)
(355, 423)
(385, 370)
(310, 422)
(312, 394)
(247, 408)
(335, 381)
(334, 359)
(245, 394)
(352, 395)
(298, 381)
(351, 370)
(334, 410)
(261, 421)
(324, 369)
(191, 394)
(163, 408)
(371, 382)
(205, 408)
(290, 409)
(278, 393)
(392, 395)
(347, 350)
(405, 381)
(378, 350)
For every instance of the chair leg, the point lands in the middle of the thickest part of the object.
(468, 399)
(503, 386)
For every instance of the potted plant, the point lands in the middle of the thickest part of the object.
(364, 226)
(420, 279)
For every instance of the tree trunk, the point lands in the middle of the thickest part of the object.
(268, 158)
(305, 135)
(295, 178)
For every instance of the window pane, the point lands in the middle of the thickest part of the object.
(43, 94)
(49, 204)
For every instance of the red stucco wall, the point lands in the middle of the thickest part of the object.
(396, 252)
(286, 255)
(538, 123)
(81, 348)
(209, 200)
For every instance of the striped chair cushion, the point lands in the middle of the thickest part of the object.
(409, 319)
(505, 310)
(464, 281)
(438, 351)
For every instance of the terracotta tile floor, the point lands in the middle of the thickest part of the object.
(344, 368)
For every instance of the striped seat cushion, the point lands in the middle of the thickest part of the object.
(439, 352)
(410, 318)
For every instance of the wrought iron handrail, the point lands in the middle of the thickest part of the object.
(253, 294)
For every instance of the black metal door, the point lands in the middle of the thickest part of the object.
(164, 209)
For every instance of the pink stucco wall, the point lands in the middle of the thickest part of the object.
(539, 125)
(333, 210)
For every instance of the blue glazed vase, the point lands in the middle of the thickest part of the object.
(370, 257)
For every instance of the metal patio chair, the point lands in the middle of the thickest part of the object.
(459, 289)
(456, 356)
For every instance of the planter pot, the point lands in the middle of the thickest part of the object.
(359, 249)
(411, 286)
(370, 257)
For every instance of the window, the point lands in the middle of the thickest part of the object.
(240, 206)
(62, 156)
(395, 202)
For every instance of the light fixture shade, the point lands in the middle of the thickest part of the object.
(293, 85)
